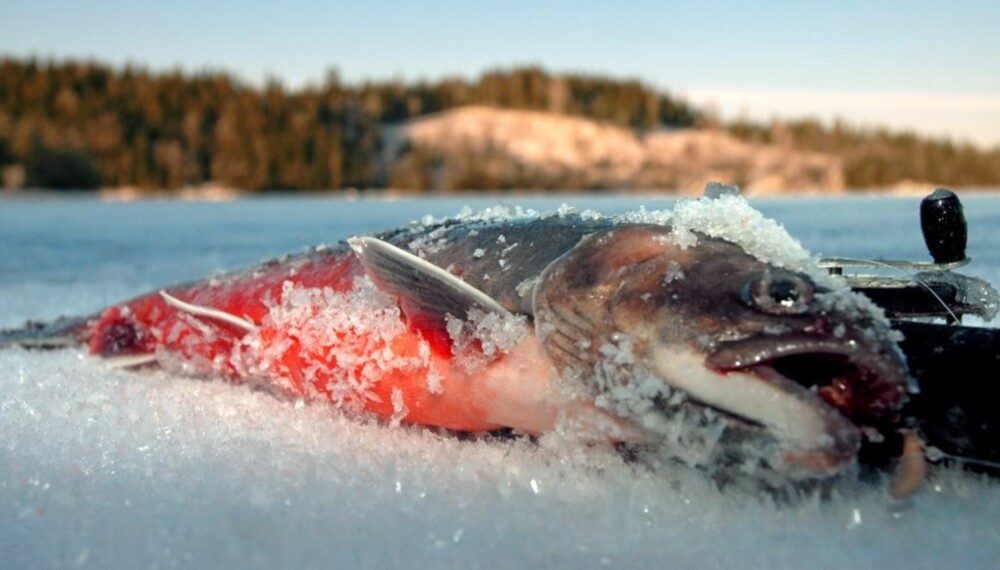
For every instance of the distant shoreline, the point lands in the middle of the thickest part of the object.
(87, 125)
(126, 195)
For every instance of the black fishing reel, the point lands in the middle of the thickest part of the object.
(957, 393)
(924, 290)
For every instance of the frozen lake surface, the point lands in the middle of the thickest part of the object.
(102, 468)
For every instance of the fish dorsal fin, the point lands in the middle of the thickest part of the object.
(427, 293)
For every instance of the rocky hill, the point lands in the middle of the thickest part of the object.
(486, 147)
(85, 125)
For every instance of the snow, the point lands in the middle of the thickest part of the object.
(137, 470)
(109, 468)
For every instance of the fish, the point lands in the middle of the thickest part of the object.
(705, 331)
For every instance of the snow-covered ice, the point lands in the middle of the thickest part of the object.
(106, 468)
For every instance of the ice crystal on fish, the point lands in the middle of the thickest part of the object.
(483, 336)
(624, 386)
(498, 213)
(524, 288)
(563, 211)
(431, 242)
(399, 410)
(434, 382)
(673, 272)
(730, 217)
(326, 344)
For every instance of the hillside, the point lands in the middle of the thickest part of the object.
(484, 147)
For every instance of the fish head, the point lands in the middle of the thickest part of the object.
(727, 359)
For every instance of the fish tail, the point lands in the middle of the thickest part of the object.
(60, 333)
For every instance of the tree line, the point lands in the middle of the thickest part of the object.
(72, 124)
(82, 124)
(878, 157)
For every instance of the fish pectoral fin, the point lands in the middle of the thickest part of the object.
(570, 338)
(427, 293)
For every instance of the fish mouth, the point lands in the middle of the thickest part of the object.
(864, 384)
(815, 398)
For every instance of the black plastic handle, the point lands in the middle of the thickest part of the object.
(942, 219)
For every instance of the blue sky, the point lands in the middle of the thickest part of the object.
(927, 65)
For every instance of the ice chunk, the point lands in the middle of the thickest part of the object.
(718, 190)
(970, 291)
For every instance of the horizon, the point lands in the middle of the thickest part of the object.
(902, 66)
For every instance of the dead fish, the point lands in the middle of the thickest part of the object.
(706, 330)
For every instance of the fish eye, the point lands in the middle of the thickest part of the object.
(779, 293)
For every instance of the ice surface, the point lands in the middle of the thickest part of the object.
(113, 469)
(105, 468)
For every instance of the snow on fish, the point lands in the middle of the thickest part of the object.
(705, 331)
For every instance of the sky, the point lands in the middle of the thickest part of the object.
(927, 66)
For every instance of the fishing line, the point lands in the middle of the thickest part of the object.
(913, 277)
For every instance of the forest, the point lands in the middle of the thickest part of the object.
(79, 125)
